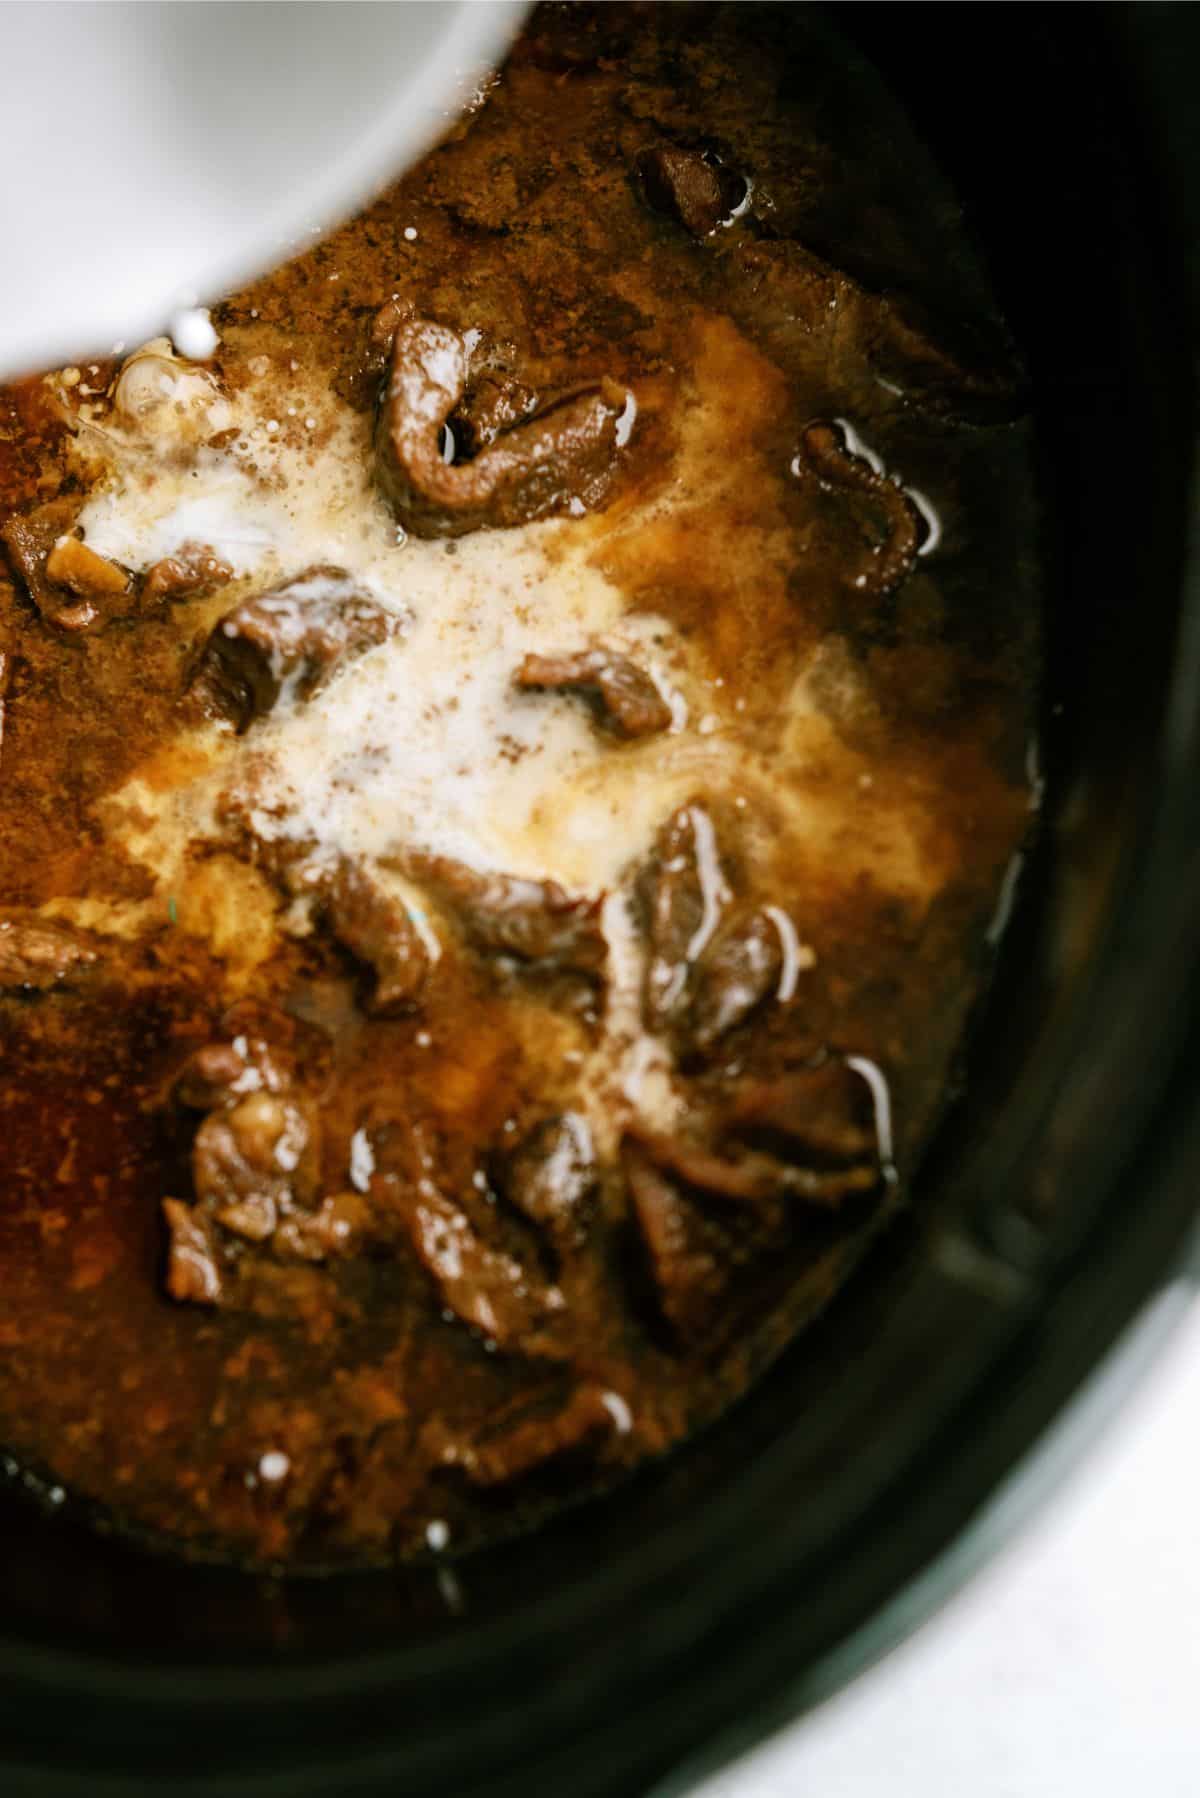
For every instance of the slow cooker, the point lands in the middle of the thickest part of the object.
(738, 1581)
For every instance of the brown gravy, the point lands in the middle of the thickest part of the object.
(507, 774)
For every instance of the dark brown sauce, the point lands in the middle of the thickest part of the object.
(333, 1410)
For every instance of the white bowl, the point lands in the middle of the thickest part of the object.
(157, 154)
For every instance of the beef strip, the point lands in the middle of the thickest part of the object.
(353, 902)
(684, 892)
(823, 446)
(708, 968)
(193, 1274)
(360, 380)
(566, 452)
(825, 1114)
(290, 640)
(485, 1288)
(494, 398)
(221, 1073)
(629, 703)
(792, 297)
(581, 1425)
(551, 1176)
(749, 1180)
(532, 920)
(193, 571)
(37, 954)
(72, 587)
(256, 1160)
(482, 1285)
(377, 929)
(494, 402)
(684, 1257)
(689, 185)
(751, 1177)
(740, 969)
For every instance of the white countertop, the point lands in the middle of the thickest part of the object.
(1070, 1665)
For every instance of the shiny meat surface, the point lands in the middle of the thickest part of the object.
(563, 455)
(292, 638)
(690, 186)
(532, 920)
(508, 772)
(629, 702)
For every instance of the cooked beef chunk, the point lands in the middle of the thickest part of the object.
(71, 586)
(566, 452)
(478, 1281)
(29, 537)
(935, 366)
(341, 1222)
(690, 186)
(37, 954)
(533, 920)
(551, 1176)
(583, 1423)
(193, 1266)
(221, 1073)
(739, 970)
(494, 402)
(811, 1135)
(191, 572)
(360, 380)
(255, 1161)
(73, 565)
(494, 398)
(628, 700)
(377, 929)
(288, 641)
(255, 1169)
(792, 296)
(484, 1287)
(825, 1115)
(751, 1179)
(685, 897)
(823, 446)
(708, 969)
(352, 900)
(253, 1053)
(686, 1264)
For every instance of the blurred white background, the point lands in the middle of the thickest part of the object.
(1069, 1666)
